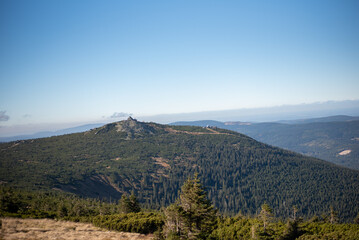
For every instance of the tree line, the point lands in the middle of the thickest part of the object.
(239, 173)
(191, 216)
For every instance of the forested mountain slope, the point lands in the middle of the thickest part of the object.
(334, 139)
(153, 160)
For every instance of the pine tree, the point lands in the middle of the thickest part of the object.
(333, 217)
(174, 228)
(356, 219)
(193, 216)
(266, 215)
(129, 204)
(292, 231)
(295, 210)
(124, 203)
(134, 204)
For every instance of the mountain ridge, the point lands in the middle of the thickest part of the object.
(87, 127)
(153, 161)
(334, 138)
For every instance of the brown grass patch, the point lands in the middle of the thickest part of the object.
(162, 161)
(36, 229)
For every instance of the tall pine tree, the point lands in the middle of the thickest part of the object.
(192, 216)
(129, 204)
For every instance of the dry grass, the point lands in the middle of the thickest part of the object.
(36, 229)
(162, 161)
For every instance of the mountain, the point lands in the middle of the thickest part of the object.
(334, 139)
(81, 128)
(266, 114)
(336, 118)
(153, 160)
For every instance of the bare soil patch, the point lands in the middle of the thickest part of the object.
(161, 161)
(212, 131)
(36, 229)
(345, 152)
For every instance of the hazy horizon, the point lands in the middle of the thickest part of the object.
(267, 114)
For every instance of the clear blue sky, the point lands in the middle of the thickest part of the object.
(72, 61)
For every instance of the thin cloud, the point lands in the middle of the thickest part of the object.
(26, 116)
(120, 115)
(3, 116)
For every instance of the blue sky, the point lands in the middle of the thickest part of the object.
(77, 61)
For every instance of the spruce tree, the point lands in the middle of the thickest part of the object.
(134, 204)
(266, 215)
(333, 217)
(129, 204)
(356, 219)
(124, 203)
(192, 216)
(292, 231)
(174, 225)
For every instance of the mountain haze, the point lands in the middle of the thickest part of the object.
(153, 160)
(335, 118)
(44, 134)
(267, 114)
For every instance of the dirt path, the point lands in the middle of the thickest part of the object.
(36, 229)
(211, 132)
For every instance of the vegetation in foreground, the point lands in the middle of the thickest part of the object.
(26, 229)
(192, 216)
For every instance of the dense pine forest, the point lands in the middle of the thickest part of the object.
(324, 138)
(191, 216)
(152, 161)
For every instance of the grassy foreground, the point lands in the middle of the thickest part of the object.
(21, 229)
(190, 217)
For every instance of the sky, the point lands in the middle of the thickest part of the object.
(64, 61)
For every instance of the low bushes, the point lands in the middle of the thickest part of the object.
(141, 222)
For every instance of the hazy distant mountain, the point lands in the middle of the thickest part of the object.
(81, 128)
(266, 114)
(337, 118)
(334, 139)
(153, 160)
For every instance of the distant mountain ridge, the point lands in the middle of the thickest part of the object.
(336, 118)
(262, 114)
(334, 139)
(267, 114)
(153, 160)
(81, 128)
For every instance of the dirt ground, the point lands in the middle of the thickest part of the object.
(36, 229)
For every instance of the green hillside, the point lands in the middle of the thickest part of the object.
(334, 139)
(153, 160)
(337, 142)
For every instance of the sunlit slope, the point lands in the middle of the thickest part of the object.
(334, 139)
(153, 160)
